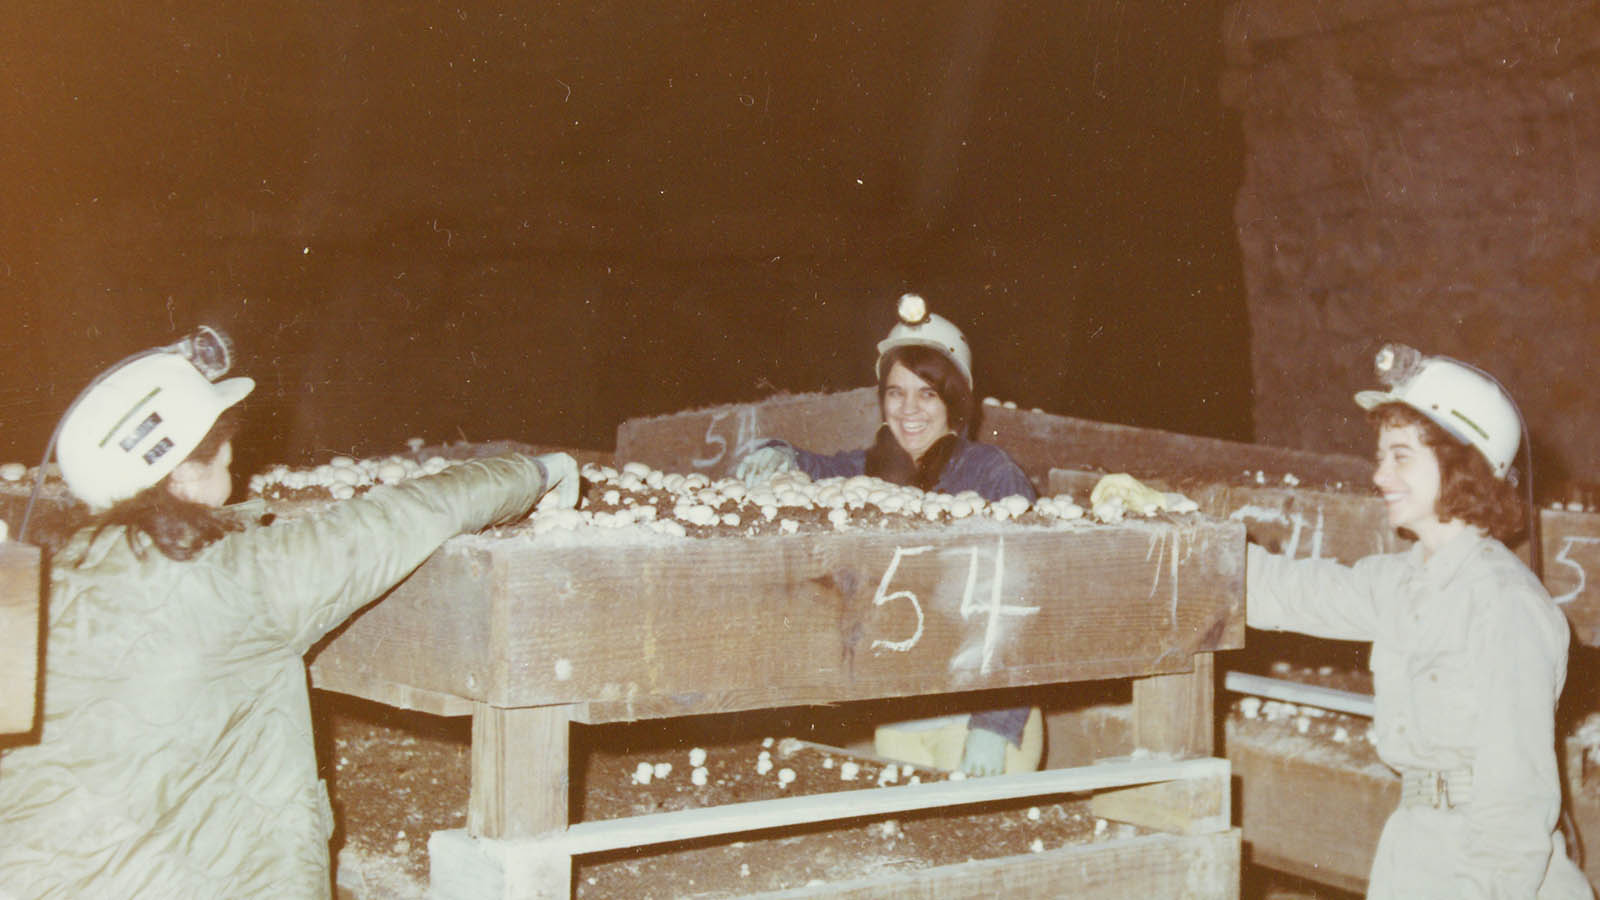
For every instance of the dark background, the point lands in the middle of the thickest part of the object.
(532, 221)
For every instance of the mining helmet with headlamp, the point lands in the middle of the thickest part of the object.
(920, 328)
(142, 417)
(1465, 401)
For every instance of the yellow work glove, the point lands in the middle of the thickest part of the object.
(1130, 493)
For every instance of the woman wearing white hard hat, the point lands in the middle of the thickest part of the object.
(174, 756)
(1468, 652)
(925, 398)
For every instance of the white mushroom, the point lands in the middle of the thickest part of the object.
(1016, 504)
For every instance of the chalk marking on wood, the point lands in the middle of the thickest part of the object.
(880, 598)
(1158, 544)
(991, 636)
(1177, 541)
(746, 434)
(1565, 560)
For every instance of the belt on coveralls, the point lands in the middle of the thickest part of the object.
(1440, 789)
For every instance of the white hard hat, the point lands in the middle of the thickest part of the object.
(135, 424)
(918, 327)
(1459, 398)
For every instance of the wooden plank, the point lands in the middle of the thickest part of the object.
(519, 771)
(430, 636)
(708, 440)
(1173, 713)
(1571, 542)
(21, 598)
(1041, 441)
(1310, 523)
(1210, 774)
(692, 626)
(400, 696)
(1304, 522)
(1181, 867)
(1197, 867)
(1302, 694)
(1307, 810)
(712, 439)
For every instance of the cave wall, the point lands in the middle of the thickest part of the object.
(1425, 171)
(530, 222)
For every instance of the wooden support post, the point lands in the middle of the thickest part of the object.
(20, 600)
(1173, 713)
(515, 812)
(519, 771)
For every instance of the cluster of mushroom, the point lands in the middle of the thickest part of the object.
(342, 477)
(787, 503)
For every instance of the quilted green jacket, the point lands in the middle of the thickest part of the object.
(175, 759)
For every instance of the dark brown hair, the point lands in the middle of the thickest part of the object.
(179, 528)
(940, 373)
(1468, 490)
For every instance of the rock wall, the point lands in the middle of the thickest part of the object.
(1426, 171)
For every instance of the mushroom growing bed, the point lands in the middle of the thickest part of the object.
(639, 498)
(701, 557)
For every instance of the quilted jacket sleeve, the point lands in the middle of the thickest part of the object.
(312, 573)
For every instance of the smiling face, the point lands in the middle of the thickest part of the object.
(1408, 478)
(916, 416)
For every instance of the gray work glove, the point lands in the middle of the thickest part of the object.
(985, 753)
(764, 462)
(561, 481)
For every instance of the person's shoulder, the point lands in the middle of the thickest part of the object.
(986, 454)
(1506, 591)
(1493, 563)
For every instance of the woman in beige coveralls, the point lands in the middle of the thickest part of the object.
(175, 759)
(1468, 651)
